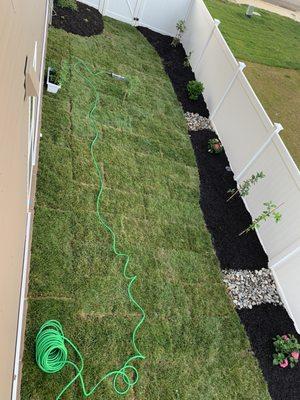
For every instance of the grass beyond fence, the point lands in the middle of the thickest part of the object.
(195, 345)
(270, 45)
(268, 39)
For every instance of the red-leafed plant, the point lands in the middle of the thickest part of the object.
(287, 351)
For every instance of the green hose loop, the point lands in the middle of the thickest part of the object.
(51, 343)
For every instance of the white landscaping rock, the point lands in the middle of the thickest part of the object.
(251, 288)
(196, 122)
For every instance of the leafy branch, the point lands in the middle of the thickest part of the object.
(244, 188)
(186, 62)
(181, 27)
(270, 211)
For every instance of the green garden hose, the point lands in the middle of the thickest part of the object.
(51, 343)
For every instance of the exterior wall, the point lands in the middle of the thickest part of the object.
(22, 26)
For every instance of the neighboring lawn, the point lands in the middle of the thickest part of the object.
(279, 91)
(272, 41)
(195, 346)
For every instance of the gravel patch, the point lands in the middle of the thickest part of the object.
(196, 122)
(251, 288)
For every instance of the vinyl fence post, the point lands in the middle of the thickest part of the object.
(216, 24)
(277, 129)
(240, 68)
(50, 12)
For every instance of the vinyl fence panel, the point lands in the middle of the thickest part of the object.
(91, 3)
(287, 276)
(122, 10)
(199, 26)
(242, 127)
(162, 16)
(281, 185)
(208, 69)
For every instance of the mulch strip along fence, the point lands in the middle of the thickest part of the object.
(225, 221)
(173, 58)
(85, 21)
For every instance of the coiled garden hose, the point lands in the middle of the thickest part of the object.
(51, 342)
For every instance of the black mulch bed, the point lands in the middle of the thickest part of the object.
(225, 220)
(85, 21)
(173, 58)
(263, 323)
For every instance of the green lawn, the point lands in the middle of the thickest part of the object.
(269, 39)
(270, 45)
(194, 343)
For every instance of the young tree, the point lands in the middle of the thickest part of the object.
(270, 211)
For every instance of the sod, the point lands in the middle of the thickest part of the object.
(194, 343)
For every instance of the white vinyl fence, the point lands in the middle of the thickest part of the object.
(158, 15)
(251, 140)
(252, 144)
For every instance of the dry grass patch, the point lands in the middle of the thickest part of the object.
(279, 91)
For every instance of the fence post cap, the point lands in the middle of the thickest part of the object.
(241, 66)
(278, 127)
(217, 22)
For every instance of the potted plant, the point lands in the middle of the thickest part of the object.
(287, 351)
(215, 146)
(53, 81)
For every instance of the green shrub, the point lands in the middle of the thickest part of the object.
(194, 89)
(71, 4)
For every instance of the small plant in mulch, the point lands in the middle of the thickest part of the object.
(71, 4)
(181, 27)
(194, 89)
(269, 212)
(215, 146)
(287, 351)
(186, 62)
(244, 188)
